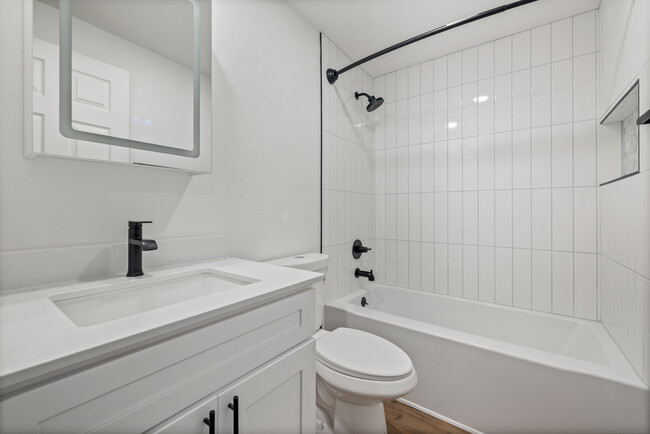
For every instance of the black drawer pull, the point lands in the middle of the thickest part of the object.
(210, 422)
(234, 406)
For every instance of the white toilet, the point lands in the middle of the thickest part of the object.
(356, 371)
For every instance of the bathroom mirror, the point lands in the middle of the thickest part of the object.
(621, 149)
(121, 81)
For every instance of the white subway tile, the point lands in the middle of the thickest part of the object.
(486, 218)
(391, 171)
(503, 56)
(454, 113)
(414, 121)
(455, 165)
(486, 270)
(379, 163)
(584, 33)
(470, 164)
(415, 265)
(503, 103)
(541, 219)
(521, 278)
(414, 81)
(428, 264)
(340, 197)
(585, 225)
(586, 286)
(584, 87)
(391, 87)
(521, 100)
(454, 69)
(455, 217)
(521, 218)
(391, 217)
(441, 268)
(440, 115)
(521, 159)
(541, 95)
(402, 123)
(403, 264)
(426, 111)
(503, 276)
(401, 84)
(562, 91)
(503, 218)
(426, 167)
(584, 154)
(414, 169)
(414, 233)
(562, 199)
(503, 160)
(561, 39)
(440, 166)
(440, 73)
(455, 273)
(380, 260)
(562, 155)
(470, 65)
(380, 216)
(470, 109)
(326, 217)
(486, 106)
(541, 45)
(426, 77)
(391, 262)
(470, 217)
(541, 157)
(440, 222)
(563, 283)
(486, 162)
(426, 217)
(402, 216)
(379, 130)
(391, 125)
(486, 61)
(521, 51)
(402, 172)
(542, 281)
(470, 272)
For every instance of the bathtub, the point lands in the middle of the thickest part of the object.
(497, 369)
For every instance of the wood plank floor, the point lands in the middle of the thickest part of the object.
(402, 419)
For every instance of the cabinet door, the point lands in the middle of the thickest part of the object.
(190, 421)
(278, 398)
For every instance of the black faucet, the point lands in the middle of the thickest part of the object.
(136, 246)
(360, 273)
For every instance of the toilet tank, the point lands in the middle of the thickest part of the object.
(311, 262)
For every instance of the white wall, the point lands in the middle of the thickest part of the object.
(263, 191)
(348, 210)
(485, 171)
(624, 252)
(266, 111)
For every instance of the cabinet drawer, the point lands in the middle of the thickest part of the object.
(135, 392)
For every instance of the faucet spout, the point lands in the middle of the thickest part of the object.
(367, 274)
(137, 245)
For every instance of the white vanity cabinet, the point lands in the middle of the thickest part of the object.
(263, 355)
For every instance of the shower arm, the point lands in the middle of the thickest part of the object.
(333, 74)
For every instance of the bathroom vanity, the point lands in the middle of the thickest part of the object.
(242, 350)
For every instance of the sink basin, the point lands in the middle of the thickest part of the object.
(102, 303)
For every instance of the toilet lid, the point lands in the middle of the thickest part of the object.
(363, 355)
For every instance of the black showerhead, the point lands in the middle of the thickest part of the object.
(373, 103)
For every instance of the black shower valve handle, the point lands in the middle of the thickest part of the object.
(358, 249)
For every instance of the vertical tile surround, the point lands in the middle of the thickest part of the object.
(487, 178)
(348, 205)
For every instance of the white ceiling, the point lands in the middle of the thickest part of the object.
(362, 27)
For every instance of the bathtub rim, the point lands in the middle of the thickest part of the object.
(619, 371)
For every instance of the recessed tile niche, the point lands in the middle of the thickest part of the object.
(623, 154)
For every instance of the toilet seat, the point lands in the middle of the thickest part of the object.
(362, 355)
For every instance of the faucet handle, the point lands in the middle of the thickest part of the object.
(137, 224)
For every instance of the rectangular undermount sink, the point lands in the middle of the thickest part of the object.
(102, 303)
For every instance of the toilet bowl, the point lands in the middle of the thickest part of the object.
(355, 370)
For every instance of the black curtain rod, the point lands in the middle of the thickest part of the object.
(333, 75)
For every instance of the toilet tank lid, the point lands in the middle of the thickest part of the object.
(306, 261)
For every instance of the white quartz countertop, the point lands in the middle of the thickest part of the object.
(38, 341)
